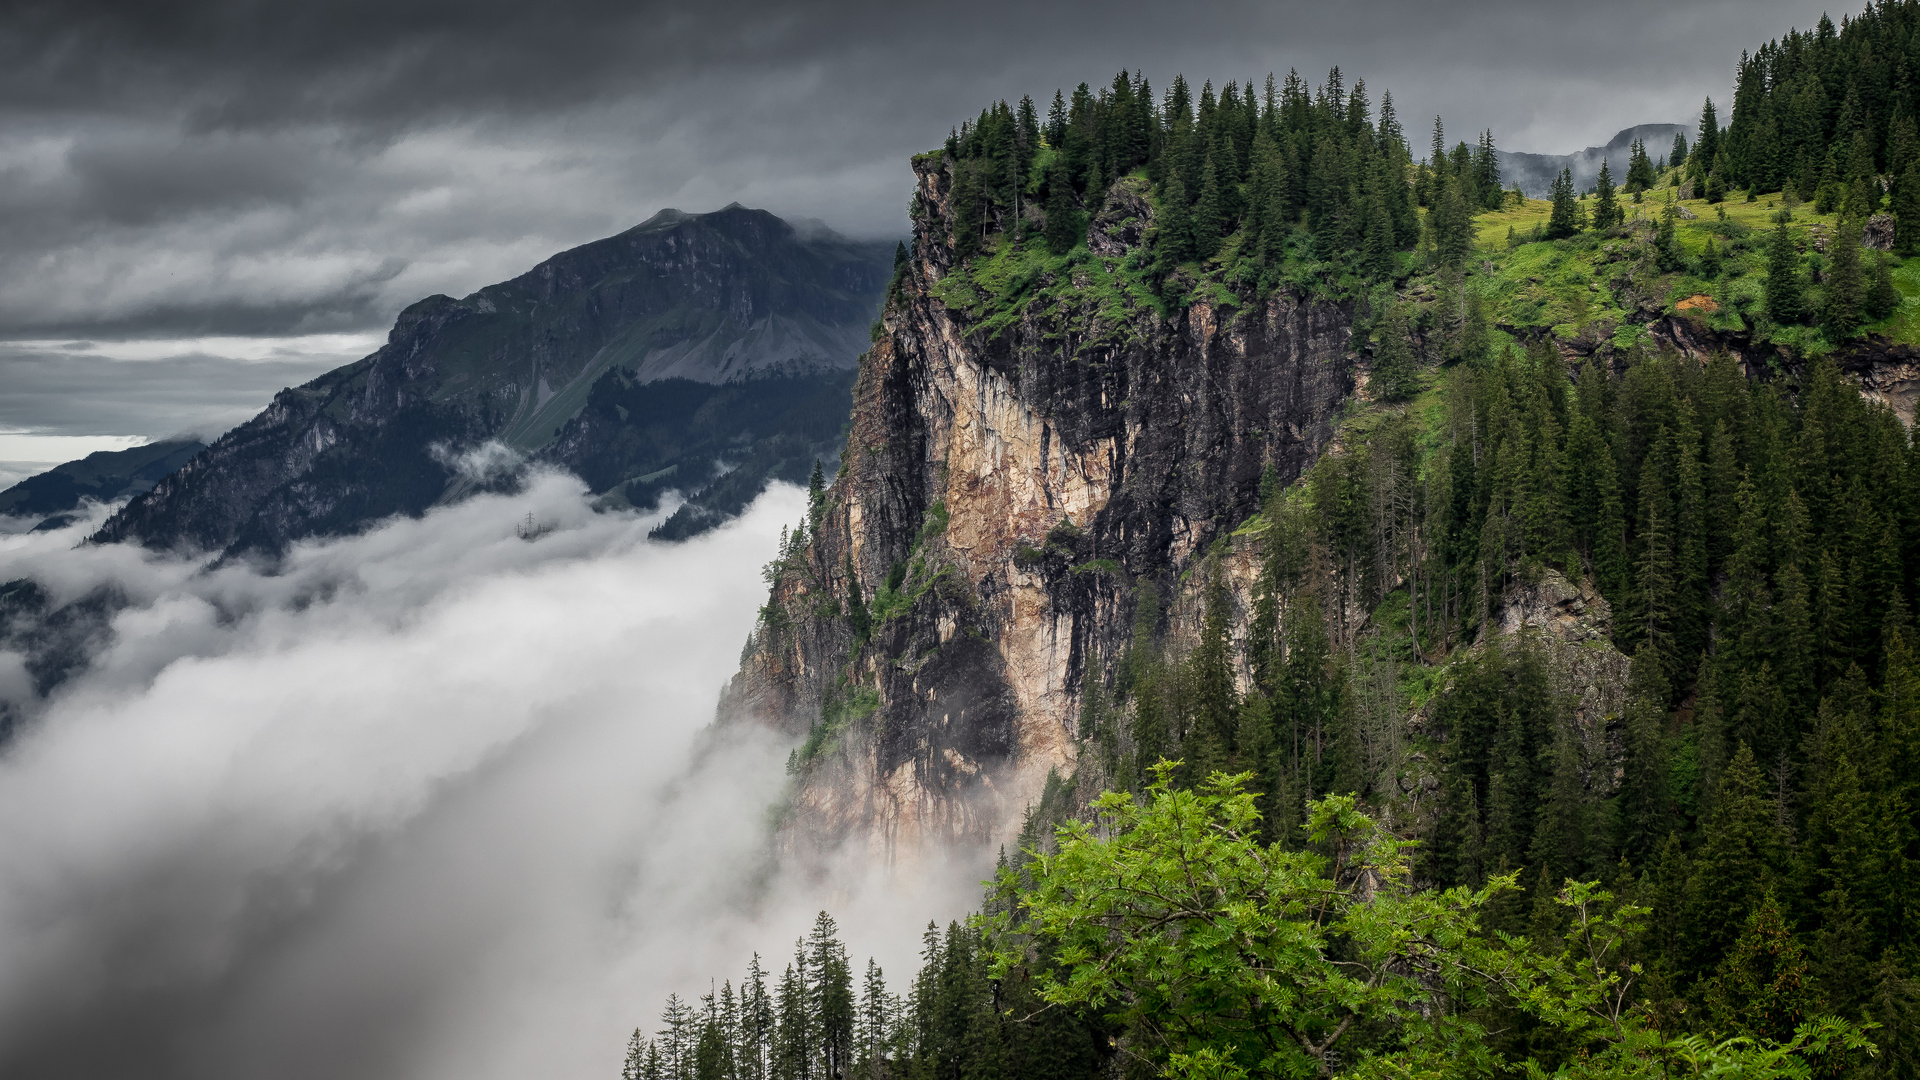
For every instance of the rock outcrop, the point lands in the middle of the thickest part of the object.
(706, 300)
(1006, 482)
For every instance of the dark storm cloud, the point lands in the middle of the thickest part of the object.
(200, 167)
(71, 389)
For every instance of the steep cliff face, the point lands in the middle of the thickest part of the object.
(700, 300)
(1007, 480)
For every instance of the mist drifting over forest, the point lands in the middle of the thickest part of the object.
(433, 801)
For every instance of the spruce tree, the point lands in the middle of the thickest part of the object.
(830, 999)
(1739, 857)
(1639, 169)
(1209, 213)
(1786, 291)
(967, 217)
(1906, 211)
(1606, 208)
(1845, 292)
(1677, 157)
(1764, 988)
(1215, 699)
(1706, 143)
(1711, 262)
(1175, 243)
(1883, 298)
(1451, 224)
(1395, 375)
(1645, 817)
(1666, 245)
(1562, 222)
(1063, 220)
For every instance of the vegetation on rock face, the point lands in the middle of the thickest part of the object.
(1569, 725)
(1166, 937)
(1249, 190)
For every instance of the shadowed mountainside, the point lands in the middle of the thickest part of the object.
(707, 300)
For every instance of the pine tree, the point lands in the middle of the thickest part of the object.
(1739, 855)
(1056, 130)
(1906, 211)
(1175, 243)
(1882, 299)
(1606, 208)
(1706, 143)
(1063, 220)
(1845, 292)
(1639, 169)
(1786, 290)
(1763, 989)
(1678, 156)
(1450, 223)
(1209, 213)
(1710, 261)
(876, 1025)
(1395, 375)
(1666, 246)
(1645, 816)
(636, 1063)
(967, 217)
(1216, 702)
(830, 999)
(1562, 221)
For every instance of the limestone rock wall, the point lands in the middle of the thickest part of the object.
(1072, 455)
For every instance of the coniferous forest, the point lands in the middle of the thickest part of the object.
(1369, 829)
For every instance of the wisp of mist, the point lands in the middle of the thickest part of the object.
(435, 801)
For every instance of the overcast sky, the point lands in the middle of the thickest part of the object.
(187, 173)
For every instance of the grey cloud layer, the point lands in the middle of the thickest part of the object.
(429, 804)
(261, 168)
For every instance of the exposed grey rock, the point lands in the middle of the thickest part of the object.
(712, 298)
(1878, 234)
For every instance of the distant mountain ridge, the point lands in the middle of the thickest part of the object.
(1535, 173)
(707, 300)
(102, 476)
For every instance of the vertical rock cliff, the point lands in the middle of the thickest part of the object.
(1014, 469)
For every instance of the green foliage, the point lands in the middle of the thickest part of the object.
(1845, 295)
(1786, 301)
(1063, 219)
(1395, 375)
(1606, 208)
(1290, 185)
(934, 524)
(1167, 925)
(1565, 220)
(1227, 956)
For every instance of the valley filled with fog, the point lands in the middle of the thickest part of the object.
(437, 800)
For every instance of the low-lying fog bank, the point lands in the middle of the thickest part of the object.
(430, 802)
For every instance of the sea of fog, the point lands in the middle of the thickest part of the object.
(436, 801)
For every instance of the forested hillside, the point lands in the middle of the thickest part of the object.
(1556, 714)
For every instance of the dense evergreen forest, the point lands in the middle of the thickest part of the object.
(1823, 109)
(1364, 828)
(1254, 187)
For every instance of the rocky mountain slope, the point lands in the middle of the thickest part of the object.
(1004, 486)
(102, 476)
(1053, 461)
(1535, 173)
(703, 302)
